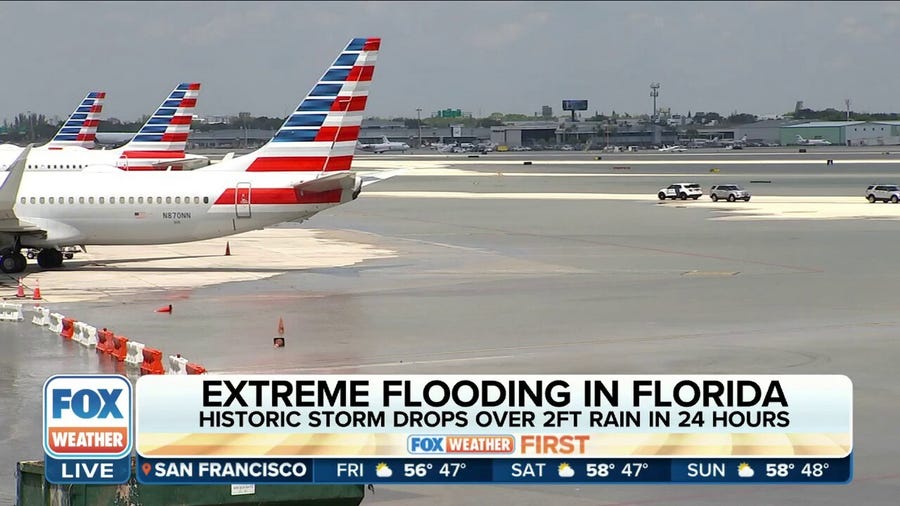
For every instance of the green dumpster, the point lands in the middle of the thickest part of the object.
(33, 490)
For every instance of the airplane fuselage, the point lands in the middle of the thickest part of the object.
(106, 206)
(77, 158)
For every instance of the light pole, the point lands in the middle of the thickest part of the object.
(419, 124)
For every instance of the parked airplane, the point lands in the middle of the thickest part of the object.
(159, 145)
(385, 145)
(671, 149)
(812, 142)
(302, 170)
(80, 129)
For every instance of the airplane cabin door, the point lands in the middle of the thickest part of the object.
(242, 200)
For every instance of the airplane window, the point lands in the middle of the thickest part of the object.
(196, 200)
(187, 200)
(177, 200)
(159, 200)
(112, 200)
(131, 200)
(51, 200)
(81, 200)
(206, 200)
(22, 200)
(71, 200)
(140, 200)
(32, 200)
(41, 200)
(62, 200)
(102, 200)
(121, 200)
(90, 200)
(168, 200)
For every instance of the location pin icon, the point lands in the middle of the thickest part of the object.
(146, 468)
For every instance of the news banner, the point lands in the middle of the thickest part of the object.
(423, 429)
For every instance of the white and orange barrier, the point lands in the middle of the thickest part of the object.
(41, 316)
(85, 334)
(105, 341)
(193, 368)
(135, 355)
(11, 312)
(55, 324)
(177, 365)
(152, 362)
(68, 328)
(119, 348)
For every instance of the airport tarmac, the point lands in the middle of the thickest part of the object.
(567, 265)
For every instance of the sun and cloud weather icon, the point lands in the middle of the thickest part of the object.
(744, 470)
(565, 470)
(383, 471)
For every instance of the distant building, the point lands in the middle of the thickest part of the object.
(547, 111)
(844, 133)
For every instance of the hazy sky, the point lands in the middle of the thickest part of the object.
(756, 57)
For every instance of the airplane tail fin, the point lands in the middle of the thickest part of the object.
(385, 140)
(81, 127)
(321, 135)
(164, 136)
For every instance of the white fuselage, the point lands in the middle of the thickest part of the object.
(107, 206)
(76, 158)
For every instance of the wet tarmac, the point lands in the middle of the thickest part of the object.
(512, 283)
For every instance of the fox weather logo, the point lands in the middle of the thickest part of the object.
(88, 427)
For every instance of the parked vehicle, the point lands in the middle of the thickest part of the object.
(729, 192)
(681, 191)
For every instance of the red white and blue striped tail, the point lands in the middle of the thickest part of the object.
(81, 127)
(321, 134)
(164, 136)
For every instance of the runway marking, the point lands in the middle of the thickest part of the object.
(370, 366)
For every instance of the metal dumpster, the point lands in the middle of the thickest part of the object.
(33, 490)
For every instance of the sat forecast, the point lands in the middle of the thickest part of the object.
(88, 429)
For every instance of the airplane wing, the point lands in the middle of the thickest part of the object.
(9, 222)
(343, 181)
(378, 175)
(186, 162)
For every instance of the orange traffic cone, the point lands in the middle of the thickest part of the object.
(21, 291)
(280, 326)
(165, 309)
(227, 249)
(37, 290)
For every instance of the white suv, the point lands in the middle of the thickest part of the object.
(883, 192)
(680, 191)
(730, 192)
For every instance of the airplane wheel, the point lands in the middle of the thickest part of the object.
(50, 258)
(12, 263)
(21, 262)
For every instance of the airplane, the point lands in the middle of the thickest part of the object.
(159, 145)
(80, 129)
(671, 149)
(383, 146)
(303, 170)
(736, 144)
(812, 142)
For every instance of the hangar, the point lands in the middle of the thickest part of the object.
(844, 133)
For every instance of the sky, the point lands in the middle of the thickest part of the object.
(481, 57)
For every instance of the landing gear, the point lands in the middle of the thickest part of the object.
(12, 262)
(50, 258)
